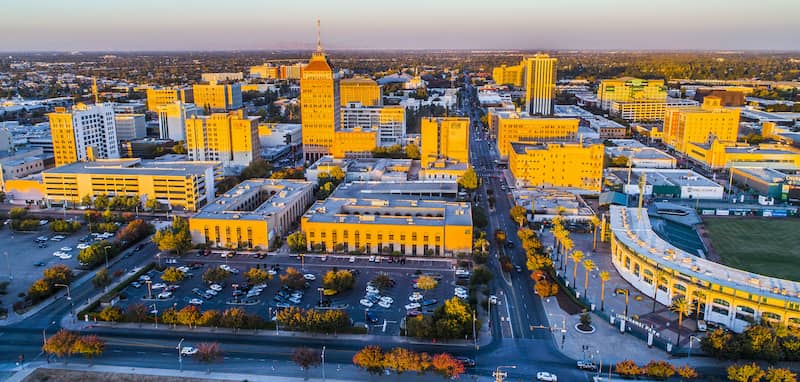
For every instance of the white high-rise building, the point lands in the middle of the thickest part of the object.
(87, 132)
(390, 121)
(172, 120)
(540, 84)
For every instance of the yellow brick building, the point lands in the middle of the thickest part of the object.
(85, 132)
(684, 125)
(361, 90)
(160, 96)
(230, 138)
(354, 143)
(508, 75)
(218, 97)
(571, 165)
(720, 294)
(540, 84)
(444, 138)
(254, 214)
(184, 185)
(520, 127)
(717, 154)
(629, 89)
(387, 223)
(319, 106)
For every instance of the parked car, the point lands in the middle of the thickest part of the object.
(196, 301)
(215, 287)
(309, 277)
(352, 259)
(587, 365)
(430, 302)
(366, 302)
(466, 361)
(188, 350)
(546, 376)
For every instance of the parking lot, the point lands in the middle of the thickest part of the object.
(265, 303)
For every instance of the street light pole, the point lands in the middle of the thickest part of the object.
(690, 345)
(69, 297)
(563, 327)
(105, 249)
(323, 362)
(499, 376)
(180, 355)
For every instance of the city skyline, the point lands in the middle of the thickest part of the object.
(358, 24)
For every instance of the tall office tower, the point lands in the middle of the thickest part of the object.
(362, 90)
(684, 125)
(230, 138)
(160, 96)
(84, 133)
(540, 84)
(218, 97)
(172, 119)
(319, 105)
(444, 138)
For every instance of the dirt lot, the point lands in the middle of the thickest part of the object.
(57, 375)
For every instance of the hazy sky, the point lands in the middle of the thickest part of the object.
(66, 25)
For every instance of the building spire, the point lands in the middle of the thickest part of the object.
(319, 39)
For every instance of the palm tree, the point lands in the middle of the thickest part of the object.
(681, 307)
(604, 276)
(576, 257)
(595, 223)
(481, 241)
(659, 274)
(588, 265)
(568, 244)
(701, 296)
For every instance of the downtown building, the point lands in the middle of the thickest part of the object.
(229, 138)
(557, 165)
(86, 132)
(540, 84)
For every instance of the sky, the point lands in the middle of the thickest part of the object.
(152, 25)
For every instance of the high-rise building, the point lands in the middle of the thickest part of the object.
(160, 96)
(172, 119)
(319, 105)
(685, 125)
(540, 83)
(444, 138)
(130, 126)
(218, 97)
(292, 72)
(508, 75)
(570, 165)
(389, 120)
(362, 90)
(230, 138)
(521, 127)
(629, 89)
(84, 133)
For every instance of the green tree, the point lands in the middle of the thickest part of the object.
(215, 275)
(745, 373)
(292, 278)
(339, 280)
(110, 314)
(519, 215)
(101, 279)
(469, 181)
(17, 213)
(172, 275)
(296, 241)
(151, 204)
(412, 151)
(659, 370)
(256, 276)
(481, 276)
(780, 375)
(174, 238)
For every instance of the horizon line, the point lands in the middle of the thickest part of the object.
(465, 50)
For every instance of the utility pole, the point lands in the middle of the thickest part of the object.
(323, 362)
(180, 355)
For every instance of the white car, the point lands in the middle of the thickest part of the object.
(372, 289)
(323, 258)
(215, 287)
(372, 259)
(65, 256)
(272, 272)
(66, 249)
(415, 297)
(260, 286)
(387, 299)
(545, 376)
(377, 259)
(196, 301)
(82, 246)
(225, 267)
(164, 295)
(493, 299)
(182, 269)
(384, 304)
(158, 286)
(366, 302)
(144, 277)
(211, 292)
(57, 238)
(352, 259)
(188, 350)
(412, 306)
(309, 277)
(58, 253)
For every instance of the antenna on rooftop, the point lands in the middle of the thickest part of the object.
(319, 39)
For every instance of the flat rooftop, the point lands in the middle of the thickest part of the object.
(400, 203)
(134, 166)
(638, 235)
(636, 151)
(267, 196)
(763, 173)
(666, 177)
(523, 147)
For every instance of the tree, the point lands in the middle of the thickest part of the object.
(604, 276)
(215, 275)
(479, 218)
(686, 372)
(545, 288)
(256, 276)
(588, 265)
(110, 314)
(296, 241)
(172, 275)
(17, 213)
(293, 279)
(659, 370)
(659, 274)
(412, 151)
(210, 317)
(174, 238)
(780, 375)
(519, 215)
(426, 283)
(500, 236)
(627, 368)
(480, 275)
(469, 181)
(576, 258)
(371, 359)
(61, 344)
(233, 318)
(700, 296)
(595, 225)
(258, 168)
(382, 281)
(136, 313)
(681, 307)
(189, 315)
(745, 373)
(39, 290)
(402, 360)
(208, 353)
(339, 280)
(89, 347)
(151, 204)
(101, 279)
(305, 358)
(446, 365)
(86, 201)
